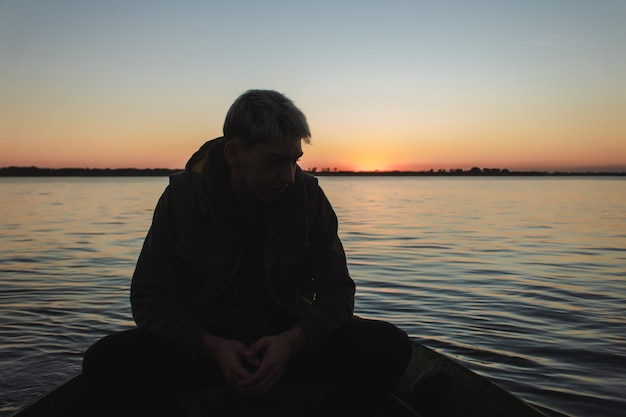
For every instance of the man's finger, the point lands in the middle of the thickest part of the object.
(261, 381)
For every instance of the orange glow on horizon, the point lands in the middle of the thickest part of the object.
(175, 156)
(171, 145)
(421, 89)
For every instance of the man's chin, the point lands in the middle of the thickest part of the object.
(272, 196)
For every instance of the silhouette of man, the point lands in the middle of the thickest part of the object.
(242, 281)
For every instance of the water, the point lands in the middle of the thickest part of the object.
(522, 280)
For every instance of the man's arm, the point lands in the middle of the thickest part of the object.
(155, 288)
(334, 288)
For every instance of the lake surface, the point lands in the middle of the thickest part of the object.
(522, 280)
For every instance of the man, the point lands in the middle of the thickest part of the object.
(242, 280)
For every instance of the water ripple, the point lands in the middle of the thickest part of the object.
(521, 280)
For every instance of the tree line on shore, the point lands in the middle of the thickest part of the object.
(161, 172)
(85, 172)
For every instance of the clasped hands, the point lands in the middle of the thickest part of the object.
(254, 369)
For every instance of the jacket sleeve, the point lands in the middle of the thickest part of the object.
(334, 289)
(155, 293)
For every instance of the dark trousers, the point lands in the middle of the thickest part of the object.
(360, 363)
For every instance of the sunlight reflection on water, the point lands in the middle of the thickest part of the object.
(522, 280)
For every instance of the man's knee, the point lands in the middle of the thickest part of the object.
(387, 340)
(111, 356)
(99, 361)
(378, 334)
(380, 344)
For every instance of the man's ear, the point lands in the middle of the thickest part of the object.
(232, 152)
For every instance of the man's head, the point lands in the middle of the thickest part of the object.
(264, 131)
(263, 115)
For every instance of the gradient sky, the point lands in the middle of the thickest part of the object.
(533, 84)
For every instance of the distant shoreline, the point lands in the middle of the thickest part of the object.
(85, 172)
(164, 172)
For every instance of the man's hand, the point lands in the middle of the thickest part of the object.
(270, 356)
(229, 356)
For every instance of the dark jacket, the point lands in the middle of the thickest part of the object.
(193, 251)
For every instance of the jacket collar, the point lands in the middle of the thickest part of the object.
(210, 171)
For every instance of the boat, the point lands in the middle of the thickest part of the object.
(432, 386)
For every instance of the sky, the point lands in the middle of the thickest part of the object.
(408, 85)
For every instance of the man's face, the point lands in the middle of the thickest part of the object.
(267, 169)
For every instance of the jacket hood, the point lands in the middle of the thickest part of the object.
(210, 163)
(210, 173)
(197, 162)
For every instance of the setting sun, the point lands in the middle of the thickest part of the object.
(517, 87)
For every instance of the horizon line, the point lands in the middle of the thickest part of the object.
(34, 171)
